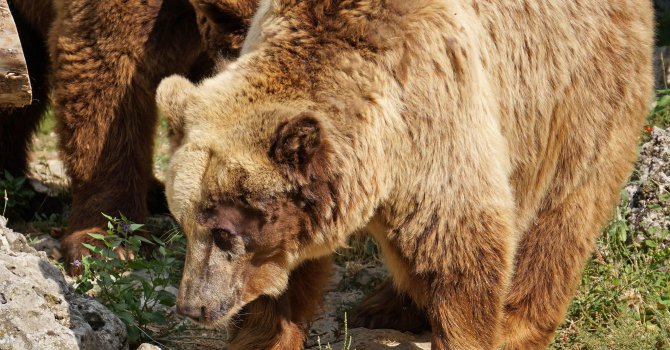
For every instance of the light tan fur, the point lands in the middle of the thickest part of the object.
(482, 143)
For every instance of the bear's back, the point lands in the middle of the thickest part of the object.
(573, 84)
(566, 84)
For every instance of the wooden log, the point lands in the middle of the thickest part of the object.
(15, 90)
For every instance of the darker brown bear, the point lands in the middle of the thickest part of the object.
(100, 62)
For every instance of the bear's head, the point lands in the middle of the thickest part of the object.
(254, 196)
(265, 172)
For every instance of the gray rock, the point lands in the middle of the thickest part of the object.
(49, 177)
(45, 243)
(648, 208)
(39, 309)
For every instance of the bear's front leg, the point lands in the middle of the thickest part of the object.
(280, 323)
(463, 266)
(108, 57)
(265, 324)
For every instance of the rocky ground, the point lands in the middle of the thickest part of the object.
(648, 208)
(39, 309)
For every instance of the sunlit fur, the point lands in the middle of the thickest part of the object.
(482, 143)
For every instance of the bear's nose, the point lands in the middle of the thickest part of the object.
(193, 312)
(201, 313)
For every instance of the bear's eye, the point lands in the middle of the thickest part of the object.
(223, 238)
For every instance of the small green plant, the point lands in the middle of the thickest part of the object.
(4, 208)
(135, 288)
(17, 196)
(346, 343)
(660, 114)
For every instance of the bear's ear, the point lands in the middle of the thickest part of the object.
(297, 142)
(171, 97)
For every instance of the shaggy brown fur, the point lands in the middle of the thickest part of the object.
(483, 144)
(107, 58)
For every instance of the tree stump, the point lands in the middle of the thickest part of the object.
(15, 90)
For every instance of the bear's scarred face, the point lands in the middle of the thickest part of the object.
(234, 255)
(250, 205)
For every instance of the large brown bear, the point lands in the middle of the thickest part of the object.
(102, 61)
(482, 143)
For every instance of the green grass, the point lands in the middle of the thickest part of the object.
(660, 114)
(624, 295)
(48, 123)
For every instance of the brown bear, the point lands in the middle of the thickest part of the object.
(101, 61)
(483, 144)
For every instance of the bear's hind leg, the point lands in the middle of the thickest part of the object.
(463, 278)
(549, 263)
(457, 269)
(280, 324)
